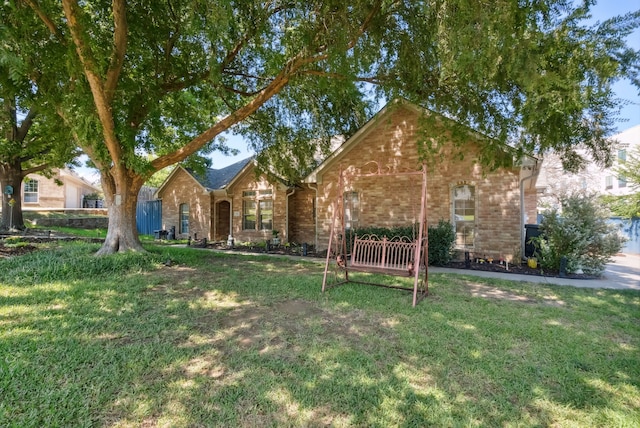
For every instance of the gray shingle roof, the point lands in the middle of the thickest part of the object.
(219, 178)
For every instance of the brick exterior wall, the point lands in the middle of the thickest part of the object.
(391, 201)
(302, 220)
(248, 182)
(184, 189)
(384, 200)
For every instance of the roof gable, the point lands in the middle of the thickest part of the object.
(360, 135)
(214, 179)
(379, 118)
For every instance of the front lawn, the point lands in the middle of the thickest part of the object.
(184, 337)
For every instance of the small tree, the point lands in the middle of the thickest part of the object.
(580, 233)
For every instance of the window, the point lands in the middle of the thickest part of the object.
(622, 181)
(622, 155)
(257, 210)
(351, 210)
(184, 218)
(608, 182)
(30, 190)
(464, 215)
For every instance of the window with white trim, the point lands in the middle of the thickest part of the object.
(622, 155)
(257, 209)
(464, 215)
(608, 182)
(622, 181)
(351, 210)
(30, 190)
(184, 218)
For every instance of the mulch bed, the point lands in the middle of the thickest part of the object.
(522, 269)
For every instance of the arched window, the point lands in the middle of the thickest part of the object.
(30, 190)
(464, 215)
(184, 218)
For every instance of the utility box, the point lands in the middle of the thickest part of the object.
(531, 231)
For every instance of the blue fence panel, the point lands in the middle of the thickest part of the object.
(631, 230)
(149, 216)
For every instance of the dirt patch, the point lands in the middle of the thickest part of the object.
(16, 250)
(283, 250)
(12, 245)
(487, 292)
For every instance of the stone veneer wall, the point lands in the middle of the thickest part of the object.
(77, 222)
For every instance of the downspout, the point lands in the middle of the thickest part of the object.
(534, 173)
(315, 214)
(286, 210)
(230, 198)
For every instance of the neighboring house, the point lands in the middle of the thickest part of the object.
(64, 190)
(488, 208)
(555, 182)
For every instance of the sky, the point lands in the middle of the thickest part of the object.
(604, 9)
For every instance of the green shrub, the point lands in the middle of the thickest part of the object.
(580, 233)
(441, 240)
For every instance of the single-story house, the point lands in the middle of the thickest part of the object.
(64, 190)
(487, 208)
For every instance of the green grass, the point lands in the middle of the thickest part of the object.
(228, 340)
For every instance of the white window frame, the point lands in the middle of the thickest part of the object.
(261, 202)
(29, 191)
(184, 219)
(458, 214)
(351, 201)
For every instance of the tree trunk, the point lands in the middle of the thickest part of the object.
(11, 175)
(121, 197)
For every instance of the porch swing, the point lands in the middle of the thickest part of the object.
(396, 256)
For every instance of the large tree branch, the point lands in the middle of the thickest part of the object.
(119, 48)
(89, 151)
(53, 28)
(365, 24)
(90, 69)
(242, 41)
(292, 67)
(26, 125)
(276, 85)
(35, 169)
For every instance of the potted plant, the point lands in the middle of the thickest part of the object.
(276, 240)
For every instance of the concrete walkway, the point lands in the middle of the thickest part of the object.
(623, 273)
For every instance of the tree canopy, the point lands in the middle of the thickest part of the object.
(166, 78)
(32, 136)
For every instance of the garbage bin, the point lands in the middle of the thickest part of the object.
(531, 231)
(172, 233)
